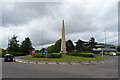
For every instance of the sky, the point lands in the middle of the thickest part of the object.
(42, 21)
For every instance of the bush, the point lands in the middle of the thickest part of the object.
(41, 55)
(49, 55)
(118, 54)
(17, 53)
(81, 54)
(3, 53)
(56, 55)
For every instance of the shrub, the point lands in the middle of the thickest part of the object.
(56, 55)
(41, 55)
(118, 54)
(81, 54)
(17, 53)
(49, 55)
(14, 53)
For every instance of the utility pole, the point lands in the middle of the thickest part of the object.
(9, 36)
(105, 42)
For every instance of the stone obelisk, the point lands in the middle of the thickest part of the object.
(63, 42)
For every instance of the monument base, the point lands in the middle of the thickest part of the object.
(64, 53)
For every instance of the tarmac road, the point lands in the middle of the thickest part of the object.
(21, 70)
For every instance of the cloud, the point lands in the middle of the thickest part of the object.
(42, 21)
(17, 13)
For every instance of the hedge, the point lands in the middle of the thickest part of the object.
(81, 54)
(17, 53)
(56, 55)
(118, 54)
(49, 55)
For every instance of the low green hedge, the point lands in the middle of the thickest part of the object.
(41, 55)
(56, 55)
(118, 54)
(49, 55)
(17, 53)
(81, 54)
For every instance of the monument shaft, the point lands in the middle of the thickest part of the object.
(63, 42)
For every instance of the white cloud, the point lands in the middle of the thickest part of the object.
(42, 21)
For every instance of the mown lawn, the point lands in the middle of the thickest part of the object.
(65, 58)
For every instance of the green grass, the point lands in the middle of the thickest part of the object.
(65, 58)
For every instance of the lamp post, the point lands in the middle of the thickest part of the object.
(9, 36)
(105, 41)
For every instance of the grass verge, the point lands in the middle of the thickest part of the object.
(65, 58)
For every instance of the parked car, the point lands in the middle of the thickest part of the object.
(113, 53)
(8, 57)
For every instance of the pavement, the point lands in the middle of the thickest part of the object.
(109, 69)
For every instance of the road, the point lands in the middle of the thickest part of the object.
(22, 70)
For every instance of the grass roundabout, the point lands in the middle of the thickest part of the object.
(65, 58)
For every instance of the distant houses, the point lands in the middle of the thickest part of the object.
(101, 47)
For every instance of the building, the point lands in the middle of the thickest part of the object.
(101, 47)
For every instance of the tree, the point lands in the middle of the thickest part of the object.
(92, 43)
(13, 45)
(57, 46)
(86, 49)
(69, 46)
(118, 48)
(51, 49)
(42, 50)
(26, 46)
(79, 45)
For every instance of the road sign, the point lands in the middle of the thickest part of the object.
(46, 51)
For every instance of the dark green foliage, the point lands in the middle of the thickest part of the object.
(86, 49)
(56, 55)
(92, 43)
(53, 48)
(79, 45)
(17, 53)
(57, 46)
(118, 54)
(26, 46)
(69, 46)
(118, 48)
(42, 55)
(81, 54)
(42, 50)
(4, 52)
(13, 45)
(49, 55)
(19, 50)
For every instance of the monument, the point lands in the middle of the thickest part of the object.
(63, 42)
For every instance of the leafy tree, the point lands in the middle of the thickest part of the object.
(13, 45)
(51, 49)
(79, 45)
(92, 43)
(26, 46)
(118, 48)
(42, 50)
(57, 46)
(86, 49)
(69, 46)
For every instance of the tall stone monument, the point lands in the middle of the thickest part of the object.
(63, 42)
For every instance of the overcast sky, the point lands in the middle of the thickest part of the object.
(42, 21)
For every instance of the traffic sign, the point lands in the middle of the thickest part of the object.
(46, 51)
